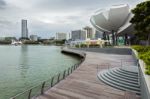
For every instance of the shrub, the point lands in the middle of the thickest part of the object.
(77, 46)
(141, 49)
(146, 57)
(5, 42)
(147, 72)
(30, 42)
(94, 45)
(83, 45)
(144, 54)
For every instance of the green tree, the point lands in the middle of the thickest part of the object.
(141, 20)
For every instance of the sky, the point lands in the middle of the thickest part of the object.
(46, 17)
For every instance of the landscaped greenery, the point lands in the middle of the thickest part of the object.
(81, 46)
(144, 54)
(3, 42)
(141, 21)
(59, 42)
(30, 42)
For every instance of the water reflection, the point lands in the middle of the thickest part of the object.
(24, 66)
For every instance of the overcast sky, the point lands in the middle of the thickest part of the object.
(46, 17)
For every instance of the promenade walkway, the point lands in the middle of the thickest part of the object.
(83, 82)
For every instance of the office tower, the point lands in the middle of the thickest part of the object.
(98, 34)
(61, 36)
(89, 31)
(78, 35)
(24, 29)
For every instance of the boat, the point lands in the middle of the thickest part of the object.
(16, 42)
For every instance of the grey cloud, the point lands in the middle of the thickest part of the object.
(33, 9)
(5, 24)
(2, 4)
(68, 5)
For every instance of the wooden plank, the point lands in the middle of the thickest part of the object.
(83, 82)
(130, 95)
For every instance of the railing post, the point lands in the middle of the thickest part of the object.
(58, 77)
(68, 70)
(74, 67)
(52, 81)
(97, 68)
(42, 89)
(29, 96)
(64, 74)
(71, 69)
(78, 64)
(139, 73)
(121, 63)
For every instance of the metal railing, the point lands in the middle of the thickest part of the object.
(123, 63)
(45, 85)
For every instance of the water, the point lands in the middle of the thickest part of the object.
(24, 66)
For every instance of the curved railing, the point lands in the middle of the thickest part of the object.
(45, 85)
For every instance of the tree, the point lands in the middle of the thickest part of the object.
(141, 20)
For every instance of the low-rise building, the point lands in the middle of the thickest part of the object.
(99, 43)
(33, 37)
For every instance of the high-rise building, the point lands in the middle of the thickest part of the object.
(61, 36)
(24, 29)
(78, 35)
(89, 31)
(98, 34)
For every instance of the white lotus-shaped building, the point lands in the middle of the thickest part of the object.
(114, 19)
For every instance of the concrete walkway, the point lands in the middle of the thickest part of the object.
(83, 82)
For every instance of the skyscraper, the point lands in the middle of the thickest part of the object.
(98, 34)
(24, 29)
(78, 35)
(61, 36)
(89, 31)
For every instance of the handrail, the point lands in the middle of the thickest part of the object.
(29, 89)
(52, 82)
(109, 66)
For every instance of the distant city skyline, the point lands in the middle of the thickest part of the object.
(47, 17)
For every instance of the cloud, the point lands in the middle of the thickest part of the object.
(2, 4)
(46, 17)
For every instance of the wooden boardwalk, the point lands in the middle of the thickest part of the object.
(83, 82)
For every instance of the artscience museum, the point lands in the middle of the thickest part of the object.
(114, 23)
